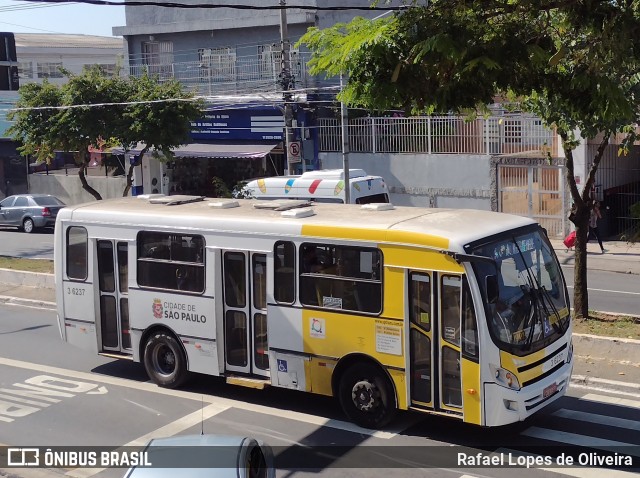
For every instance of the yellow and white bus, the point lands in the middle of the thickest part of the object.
(463, 313)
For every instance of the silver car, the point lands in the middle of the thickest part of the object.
(206, 456)
(30, 211)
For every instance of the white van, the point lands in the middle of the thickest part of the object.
(325, 185)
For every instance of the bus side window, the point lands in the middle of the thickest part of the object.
(469, 324)
(77, 240)
(284, 257)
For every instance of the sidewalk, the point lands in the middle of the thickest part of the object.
(604, 363)
(620, 256)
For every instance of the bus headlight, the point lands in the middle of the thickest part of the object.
(505, 378)
(570, 353)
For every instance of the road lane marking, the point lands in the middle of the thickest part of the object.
(625, 402)
(599, 419)
(575, 439)
(150, 387)
(583, 472)
(605, 290)
(173, 428)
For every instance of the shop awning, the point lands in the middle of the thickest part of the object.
(205, 150)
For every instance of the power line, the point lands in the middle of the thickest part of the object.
(136, 3)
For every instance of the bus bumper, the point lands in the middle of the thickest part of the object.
(504, 406)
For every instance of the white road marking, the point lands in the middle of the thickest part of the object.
(144, 407)
(575, 439)
(582, 472)
(150, 387)
(625, 402)
(606, 390)
(177, 426)
(609, 291)
(599, 419)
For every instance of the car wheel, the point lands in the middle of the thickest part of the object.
(27, 225)
(165, 361)
(366, 396)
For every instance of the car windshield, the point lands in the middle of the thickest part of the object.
(532, 309)
(48, 201)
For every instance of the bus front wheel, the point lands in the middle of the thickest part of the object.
(366, 396)
(165, 361)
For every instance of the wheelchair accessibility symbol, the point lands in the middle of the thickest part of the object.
(282, 365)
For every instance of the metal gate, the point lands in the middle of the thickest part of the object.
(535, 191)
(617, 186)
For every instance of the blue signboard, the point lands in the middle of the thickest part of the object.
(262, 124)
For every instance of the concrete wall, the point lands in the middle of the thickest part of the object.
(69, 189)
(436, 180)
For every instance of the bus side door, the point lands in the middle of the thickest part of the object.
(434, 341)
(114, 296)
(244, 279)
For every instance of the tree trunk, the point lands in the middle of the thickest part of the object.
(581, 212)
(580, 292)
(83, 179)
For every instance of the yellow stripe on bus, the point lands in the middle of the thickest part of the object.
(376, 235)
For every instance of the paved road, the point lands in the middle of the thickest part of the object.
(92, 400)
(37, 245)
(609, 291)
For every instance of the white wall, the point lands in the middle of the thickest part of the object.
(429, 180)
(69, 189)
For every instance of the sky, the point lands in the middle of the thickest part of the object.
(28, 17)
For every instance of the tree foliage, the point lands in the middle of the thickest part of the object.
(93, 110)
(573, 63)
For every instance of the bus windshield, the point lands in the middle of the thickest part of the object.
(532, 307)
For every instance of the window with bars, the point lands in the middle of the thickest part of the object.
(50, 70)
(217, 63)
(25, 69)
(158, 57)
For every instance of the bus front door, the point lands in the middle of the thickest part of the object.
(245, 313)
(434, 341)
(114, 297)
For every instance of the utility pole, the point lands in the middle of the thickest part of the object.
(345, 147)
(286, 79)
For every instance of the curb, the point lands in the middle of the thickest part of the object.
(615, 386)
(39, 304)
(29, 279)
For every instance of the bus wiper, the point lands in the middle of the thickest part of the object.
(539, 296)
(534, 295)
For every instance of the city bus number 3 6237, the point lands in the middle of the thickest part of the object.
(462, 313)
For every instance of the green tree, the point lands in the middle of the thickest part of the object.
(93, 110)
(575, 64)
(158, 118)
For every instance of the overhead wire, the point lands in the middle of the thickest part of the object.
(209, 6)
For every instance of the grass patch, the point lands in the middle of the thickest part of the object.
(608, 325)
(30, 265)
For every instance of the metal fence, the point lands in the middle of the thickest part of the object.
(439, 134)
(245, 74)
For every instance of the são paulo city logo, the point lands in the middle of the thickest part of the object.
(176, 311)
(157, 308)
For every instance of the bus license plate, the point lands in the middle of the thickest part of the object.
(550, 390)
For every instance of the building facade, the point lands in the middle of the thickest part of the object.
(40, 56)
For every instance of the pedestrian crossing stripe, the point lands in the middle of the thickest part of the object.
(597, 419)
(577, 440)
(623, 402)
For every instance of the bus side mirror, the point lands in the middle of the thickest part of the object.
(491, 288)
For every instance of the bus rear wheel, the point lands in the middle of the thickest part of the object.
(366, 396)
(165, 361)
